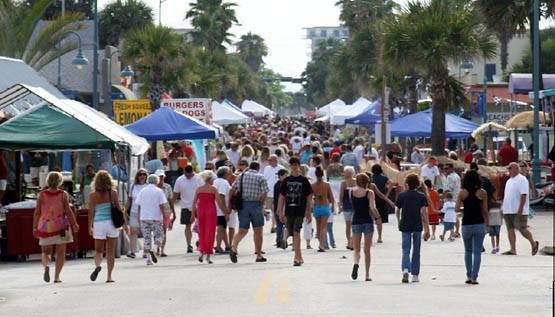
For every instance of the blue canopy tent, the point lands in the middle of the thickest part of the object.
(368, 116)
(166, 124)
(420, 125)
(232, 105)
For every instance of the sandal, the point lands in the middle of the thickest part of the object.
(368, 279)
(110, 281)
(57, 281)
(536, 248)
(94, 274)
(354, 274)
(509, 253)
(233, 256)
(296, 263)
(46, 275)
(153, 257)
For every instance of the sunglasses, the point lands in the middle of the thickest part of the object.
(142, 174)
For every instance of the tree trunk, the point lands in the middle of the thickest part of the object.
(439, 104)
(413, 97)
(504, 38)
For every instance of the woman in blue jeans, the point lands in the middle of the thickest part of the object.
(475, 219)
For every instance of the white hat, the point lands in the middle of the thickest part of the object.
(478, 152)
(160, 173)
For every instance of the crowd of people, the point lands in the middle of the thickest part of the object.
(297, 177)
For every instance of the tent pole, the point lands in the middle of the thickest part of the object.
(18, 178)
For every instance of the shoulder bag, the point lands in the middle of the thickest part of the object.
(117, 214)
(237, 197)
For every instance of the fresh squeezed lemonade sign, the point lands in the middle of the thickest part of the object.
(198, 108)
(130, 111)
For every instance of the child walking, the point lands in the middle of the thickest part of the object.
(450, 217)
(494, 228)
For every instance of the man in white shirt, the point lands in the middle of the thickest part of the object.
(185, 187)
(233, 154)
(516, 207)
(296, 143)
(430, 171)
(223, 187)
(270, 173)
(416, 157)
(358, 151)
(374, 155)
(151, 201)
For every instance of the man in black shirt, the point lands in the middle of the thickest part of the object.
(295, 203)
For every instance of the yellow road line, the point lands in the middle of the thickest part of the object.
(283, 292)
(262, 291)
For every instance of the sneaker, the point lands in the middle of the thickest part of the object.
(405, 277)
(441, 237)
(451, 239)
(415, 279)
(354, 274)
(153, 257)
(131, 255)
(189, 249)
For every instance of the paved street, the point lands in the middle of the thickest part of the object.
(179, 285)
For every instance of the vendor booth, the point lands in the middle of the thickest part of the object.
(255, 108)
(36, 120)
(331, 108)
(420, 125)
(360, 106)
(225, 114)
(367, 117)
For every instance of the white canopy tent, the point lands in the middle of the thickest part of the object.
(257, 109)
(355, 109)
(224, 114)
(331, 108)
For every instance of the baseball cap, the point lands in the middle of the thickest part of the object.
(160, 173)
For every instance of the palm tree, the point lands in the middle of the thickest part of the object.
(429, 36)
(155, 52)
(252, 49)
(17, 24)
(503, 29)
(359, 13)
(212, 20)
(121, 16)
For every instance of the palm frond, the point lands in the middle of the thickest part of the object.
(26, 27)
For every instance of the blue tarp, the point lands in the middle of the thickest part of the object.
(368, 116)
(165, 124)
(420, 125)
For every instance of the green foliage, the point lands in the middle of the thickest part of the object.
(121, 16)
(17, 23)
(425, 38)
(212, 20)
(55, 9)
(357, 14)
(156, 52)
(252, 49)
(547, 55)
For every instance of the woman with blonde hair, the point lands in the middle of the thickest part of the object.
(101, 226)
(204, 208)
(51, 224)
(247, 153)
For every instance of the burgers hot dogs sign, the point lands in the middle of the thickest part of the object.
(198, 108)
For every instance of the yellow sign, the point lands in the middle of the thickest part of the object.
(129, 111)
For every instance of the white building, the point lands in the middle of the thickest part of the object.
(320, 33)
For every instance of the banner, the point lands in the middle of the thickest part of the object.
(198, 108)
(129, 111)
(477, 104)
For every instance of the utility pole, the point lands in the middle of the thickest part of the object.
(385, 116)
(536, 171)
(95, 57)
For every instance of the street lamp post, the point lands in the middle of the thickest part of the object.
(536, 86)
(95, 57)
(79, 61)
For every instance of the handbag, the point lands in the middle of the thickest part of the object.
(237, 197)
(117, 215)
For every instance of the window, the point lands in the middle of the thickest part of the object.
(490, 71)
(323, 33)
(336, 33)
(312, 34)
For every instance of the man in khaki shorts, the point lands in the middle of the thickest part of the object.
(516, 207)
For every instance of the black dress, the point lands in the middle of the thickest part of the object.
(381, 183)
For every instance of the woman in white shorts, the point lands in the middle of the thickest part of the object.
(101, 226)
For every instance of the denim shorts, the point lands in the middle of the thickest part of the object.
(321, 211)
(348, 215)
(365, 228)
(494, 231)
(252, 212)
(448, 225)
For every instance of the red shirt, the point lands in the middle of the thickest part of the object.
(507, 154)
(468, 158)
(336, 149)
(188, 151)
